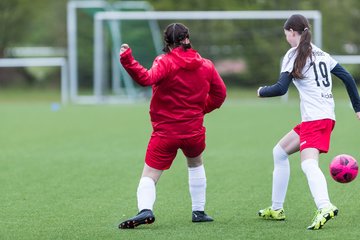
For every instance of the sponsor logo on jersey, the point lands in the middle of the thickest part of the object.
(326, 95)
(318, 53)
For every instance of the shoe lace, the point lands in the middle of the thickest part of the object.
(267, 211)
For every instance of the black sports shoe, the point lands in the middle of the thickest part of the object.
(201, 216)
(145, 216)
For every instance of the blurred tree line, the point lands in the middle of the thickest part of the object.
(256, 45)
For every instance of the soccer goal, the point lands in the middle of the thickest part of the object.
(43, 62)
(91, 7)
(100, 18)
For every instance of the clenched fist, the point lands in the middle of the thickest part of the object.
(123, 48)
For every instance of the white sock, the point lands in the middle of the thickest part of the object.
(281, 175)
(197, 187)
(146, 193)
(317, 182)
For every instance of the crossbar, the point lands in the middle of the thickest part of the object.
(100, 17)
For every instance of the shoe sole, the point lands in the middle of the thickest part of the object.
(327, 218)
(134, 223)
(271, 218)
(274, 219)
(202, 220)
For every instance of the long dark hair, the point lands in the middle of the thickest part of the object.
(301, 25)
(174, 34)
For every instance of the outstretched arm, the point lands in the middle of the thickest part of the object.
(350, 85)
(278, 89)
(139, 73)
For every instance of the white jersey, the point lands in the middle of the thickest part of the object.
(316, 98)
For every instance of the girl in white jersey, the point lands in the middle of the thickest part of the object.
(310, 70)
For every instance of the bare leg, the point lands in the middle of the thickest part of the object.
(152, 173)
(290, 143)
(194, 162)
(309, 153)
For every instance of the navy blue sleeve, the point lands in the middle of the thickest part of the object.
(279, 88)
(350, 85)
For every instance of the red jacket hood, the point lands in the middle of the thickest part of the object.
(188, 59)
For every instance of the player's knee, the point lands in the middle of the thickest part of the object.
(194, 162)
(279, 153)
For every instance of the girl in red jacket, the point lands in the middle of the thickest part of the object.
(185, 87)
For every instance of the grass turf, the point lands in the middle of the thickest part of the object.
(73, 174)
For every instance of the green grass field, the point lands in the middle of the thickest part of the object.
(73, 173)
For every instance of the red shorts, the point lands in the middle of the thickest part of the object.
(161, 151)
(315, 134)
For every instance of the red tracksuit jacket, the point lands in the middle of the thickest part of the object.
(185, 87)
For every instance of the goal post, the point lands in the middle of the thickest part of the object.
(72, 31)
(101, 17)
(43, 62)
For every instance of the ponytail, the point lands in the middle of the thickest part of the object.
(301, 25)
(304, 51)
